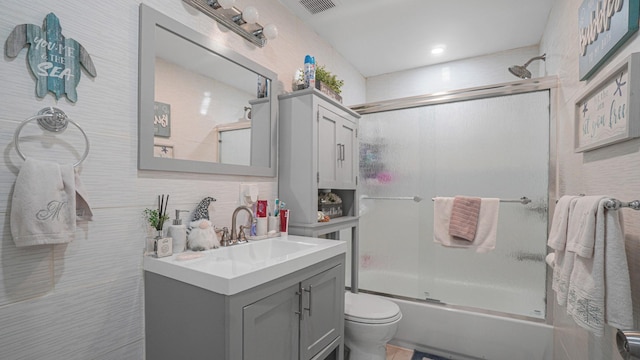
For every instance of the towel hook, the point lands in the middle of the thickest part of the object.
(54, 120)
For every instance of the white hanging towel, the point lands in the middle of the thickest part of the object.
(564, 232)
(560, 223)
(557, 241)
(486, 232)
(599, 288)
(43, 207)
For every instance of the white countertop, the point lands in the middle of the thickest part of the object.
(230, 270)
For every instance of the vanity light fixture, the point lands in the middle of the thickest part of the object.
(243, 23)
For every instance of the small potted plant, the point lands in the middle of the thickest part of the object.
(154, 219)
(326, 82)
(324, 76)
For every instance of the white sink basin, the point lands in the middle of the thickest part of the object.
(230, 270)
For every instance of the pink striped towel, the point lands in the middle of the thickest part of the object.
(464, 217)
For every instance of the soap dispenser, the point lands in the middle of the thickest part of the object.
(178, 232)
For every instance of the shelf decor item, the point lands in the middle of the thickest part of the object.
(328, 83)
(325, 81)
(162, 246)
(330, 204)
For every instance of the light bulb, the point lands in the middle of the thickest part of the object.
(226, 4)
(270, 31)
(250, 15)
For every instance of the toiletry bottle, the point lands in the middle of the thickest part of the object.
(309, 71)
(178, 232)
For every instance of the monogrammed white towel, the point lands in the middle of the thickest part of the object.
(43, 207)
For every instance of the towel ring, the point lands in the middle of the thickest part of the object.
(53, 120)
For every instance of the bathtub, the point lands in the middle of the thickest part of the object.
(466, 333)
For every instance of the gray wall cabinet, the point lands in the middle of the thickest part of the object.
(337, 146)
(298, 316)
(318, 150)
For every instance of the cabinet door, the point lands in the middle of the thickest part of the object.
(336, 151)
(322, 315)
(347, 169)
(328, 149)
(271, 327)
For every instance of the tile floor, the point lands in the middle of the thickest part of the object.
(398, 353)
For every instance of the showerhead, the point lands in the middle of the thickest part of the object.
(521, 70)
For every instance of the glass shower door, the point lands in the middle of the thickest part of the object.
(495, 147)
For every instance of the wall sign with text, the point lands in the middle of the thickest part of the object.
(161, 119)
(53, 59)
(604, 26)
(609, 112)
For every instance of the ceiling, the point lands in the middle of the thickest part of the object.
(383, 36)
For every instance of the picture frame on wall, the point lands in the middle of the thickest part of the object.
(603, 27)
(606, 114)
(161, 119)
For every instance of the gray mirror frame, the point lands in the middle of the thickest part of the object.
(149, 19)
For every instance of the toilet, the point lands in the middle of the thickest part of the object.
(369, 323)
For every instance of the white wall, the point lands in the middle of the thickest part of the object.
(85, 299)
(454, 75)
(612, 170)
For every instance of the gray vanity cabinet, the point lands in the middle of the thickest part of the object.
(271, 326)
(300, 320)
(323, 308)
(297, 316)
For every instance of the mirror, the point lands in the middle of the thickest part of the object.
(202, 107)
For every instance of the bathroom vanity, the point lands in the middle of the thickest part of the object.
(279, 298)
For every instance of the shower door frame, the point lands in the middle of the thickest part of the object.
(549, 83)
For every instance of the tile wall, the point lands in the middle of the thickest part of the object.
(84, 300)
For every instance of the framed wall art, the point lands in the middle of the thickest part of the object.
(604, 25)
(162, 119)
(609, 111)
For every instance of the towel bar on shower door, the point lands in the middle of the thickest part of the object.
(414, 198)
(523, 200)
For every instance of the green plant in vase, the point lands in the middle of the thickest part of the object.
(322, 76)
(325, 76)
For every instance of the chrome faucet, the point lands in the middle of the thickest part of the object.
(234, 236)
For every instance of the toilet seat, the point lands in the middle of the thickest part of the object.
(369, 309)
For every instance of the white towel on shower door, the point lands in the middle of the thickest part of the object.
(486, 233)
(43, 206)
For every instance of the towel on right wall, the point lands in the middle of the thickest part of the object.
(591, 274)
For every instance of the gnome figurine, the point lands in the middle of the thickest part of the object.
(201, 233)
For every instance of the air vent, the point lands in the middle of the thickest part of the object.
(316, 6)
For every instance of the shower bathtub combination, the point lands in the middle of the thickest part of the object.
(492, 142)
